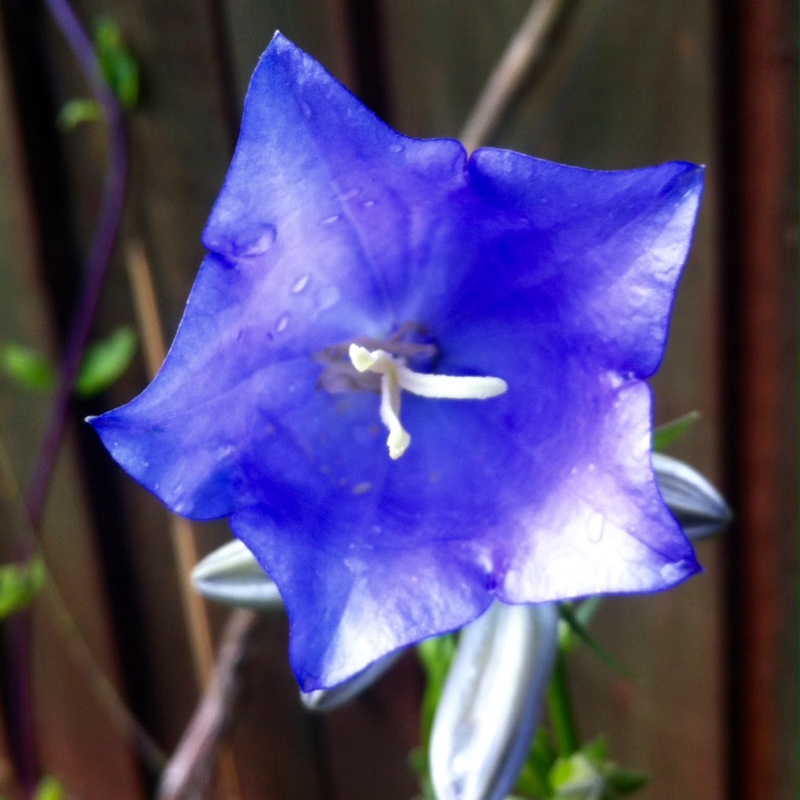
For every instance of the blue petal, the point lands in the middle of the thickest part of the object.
(331, 226)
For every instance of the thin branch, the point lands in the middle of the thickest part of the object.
(523, 51)
(189, 771)
(103, 689)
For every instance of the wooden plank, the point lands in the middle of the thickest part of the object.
(625, 84)
(758, 135)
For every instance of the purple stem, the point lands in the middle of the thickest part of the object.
(96, 269)
(98, 261)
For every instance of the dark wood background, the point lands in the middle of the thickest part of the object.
(625, 83)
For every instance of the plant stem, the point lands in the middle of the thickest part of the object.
(560, 707)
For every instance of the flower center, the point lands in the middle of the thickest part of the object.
(395, 376)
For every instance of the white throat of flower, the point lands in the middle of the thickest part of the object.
(395, 376)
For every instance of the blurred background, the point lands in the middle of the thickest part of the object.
(619, 84)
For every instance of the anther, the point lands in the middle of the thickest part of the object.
(395, 376)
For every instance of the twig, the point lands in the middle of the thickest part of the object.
(524, 49)
(189, 770)
(103, 689)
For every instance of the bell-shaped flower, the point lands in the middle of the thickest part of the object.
(494, 316)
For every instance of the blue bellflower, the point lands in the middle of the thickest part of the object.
(495, 316)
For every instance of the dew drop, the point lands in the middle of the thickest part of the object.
(331, 219)
(248, 247)
(327, 297)
(396, 148)
(282, 324)
(350, 194)
(368, 204)
(300, 284)
(595, 527)
(362, 488)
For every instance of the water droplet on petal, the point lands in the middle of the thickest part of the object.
(350, 194)
(595, 527)
(362, 488)
(282, 323)
(331, 219)
(368, 204)
(300, 284)
(397, 148)
(251, 243)
(327, 297)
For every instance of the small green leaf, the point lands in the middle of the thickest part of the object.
(576, 626)
(19, 585)
(596, 750)
(75, 112)
(49, 788)
(118, 65)
(665, 435)
(27, 367)
(105, 361)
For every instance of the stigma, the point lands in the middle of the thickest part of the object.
(396, 377)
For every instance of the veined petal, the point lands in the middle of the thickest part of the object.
(333, 230)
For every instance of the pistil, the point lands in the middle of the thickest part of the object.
(396, 376)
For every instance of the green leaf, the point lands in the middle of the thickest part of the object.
(626, 781)
(75, 112)
(533, 781)
(49, 788)
(576, 626)
(118, 65)
(27, 367)
(105, 361)
(19, 585)
(666, 434)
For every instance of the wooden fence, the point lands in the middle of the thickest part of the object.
(623, 83)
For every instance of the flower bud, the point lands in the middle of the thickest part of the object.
(231, 575)
(696, 504)
(492, 701)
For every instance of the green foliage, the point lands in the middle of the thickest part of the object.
(578, 628)
(120, 70)
(534, 780)
(27, 367)
(105, 361)
(19, 585)
(118, 65)
(666, 434)
(589, 775)
(74, 112)
(49, 788)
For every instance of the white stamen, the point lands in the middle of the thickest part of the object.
(395, 375)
